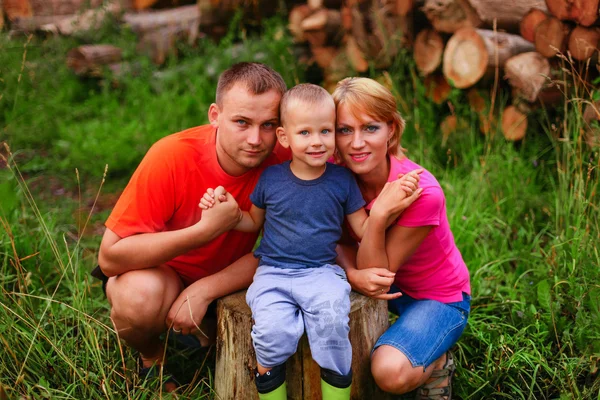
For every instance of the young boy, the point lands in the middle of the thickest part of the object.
(298, 286)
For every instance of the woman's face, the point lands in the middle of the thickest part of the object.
(362, 141)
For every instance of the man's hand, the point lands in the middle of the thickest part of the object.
(222, 213)
(373, 282)
(188, 310)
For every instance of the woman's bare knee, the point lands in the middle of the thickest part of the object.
(393, 372)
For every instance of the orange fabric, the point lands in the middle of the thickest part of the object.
(164, 192)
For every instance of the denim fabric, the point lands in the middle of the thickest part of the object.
(285, 302)
(425, 329)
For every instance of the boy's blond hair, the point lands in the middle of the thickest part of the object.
(364, 95)
(306, 93)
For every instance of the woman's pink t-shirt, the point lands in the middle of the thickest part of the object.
(436, 269)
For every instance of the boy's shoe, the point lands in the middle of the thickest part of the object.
(330, 392)
(432, 390)
(169, 383)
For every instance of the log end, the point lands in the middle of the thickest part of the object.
(514, 123)
(465, 58)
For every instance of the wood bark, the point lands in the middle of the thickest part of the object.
(530, 22)
(551, 37)
(514, 123)
(584, 12)
(451, 15)
(591, 119)
(507, 13)
(470, 52)
(427, 50)
(89, 59)
(235, 360)
(584, 42)
(527, 73)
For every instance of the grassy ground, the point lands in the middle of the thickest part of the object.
(525, 217)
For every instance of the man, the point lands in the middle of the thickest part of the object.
(166, 259)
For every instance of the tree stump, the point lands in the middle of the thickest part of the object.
(236, 360)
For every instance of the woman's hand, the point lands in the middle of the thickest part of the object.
(373, 282)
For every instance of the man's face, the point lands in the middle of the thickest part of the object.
(246, 125)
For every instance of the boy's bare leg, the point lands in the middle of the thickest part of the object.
(140, 301)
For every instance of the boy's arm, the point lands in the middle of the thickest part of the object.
(252, 221)
(358, 221)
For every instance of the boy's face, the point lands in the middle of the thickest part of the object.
(309, 131)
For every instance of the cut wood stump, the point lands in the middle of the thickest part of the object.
(514, 123)
(551, 37)
(584, 12)
(236, 360)
(428, 50)
(89, 60)
(584, 42)
(530, 22)
(527, 73)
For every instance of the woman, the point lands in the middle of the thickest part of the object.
(414, 264)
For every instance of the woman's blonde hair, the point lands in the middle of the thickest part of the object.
(364, 95)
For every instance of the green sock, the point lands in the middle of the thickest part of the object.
(330, 392)
(278, 394)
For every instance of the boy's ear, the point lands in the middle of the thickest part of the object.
(213, 115)
(282, 137)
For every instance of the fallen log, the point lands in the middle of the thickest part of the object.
(90, 59)
(323, 28)
(34, 24)
(1, 16)
(530, 22)
(427, 50)
(404, 7)
(507, 13)
(584, 12)
(514, 123)
(470, 52)
(318, 4)
(551, 37)
(17, 9)
(355, 56)
(527, 73)
(583, 42)
(159, 30)
(90, 19)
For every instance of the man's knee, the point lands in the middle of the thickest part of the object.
(391, 373)
(140, 297)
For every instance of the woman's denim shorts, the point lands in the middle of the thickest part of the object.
(425, 329)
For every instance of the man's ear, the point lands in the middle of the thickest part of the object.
(282, 137)
(213, 115)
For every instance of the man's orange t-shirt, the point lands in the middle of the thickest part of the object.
(164, 192)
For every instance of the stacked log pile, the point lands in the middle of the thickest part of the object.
(456, 43)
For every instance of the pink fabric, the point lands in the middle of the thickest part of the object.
(436, 270)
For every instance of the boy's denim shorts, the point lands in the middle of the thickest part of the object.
(425, 329)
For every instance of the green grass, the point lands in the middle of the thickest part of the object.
(525, 217)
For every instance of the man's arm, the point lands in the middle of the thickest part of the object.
(189, 308)
(119, 255)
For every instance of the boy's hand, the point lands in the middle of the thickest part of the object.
(396, 196)
(208, 199)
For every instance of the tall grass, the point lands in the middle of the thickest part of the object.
(525, 217)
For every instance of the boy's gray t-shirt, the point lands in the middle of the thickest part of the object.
(303, 220)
